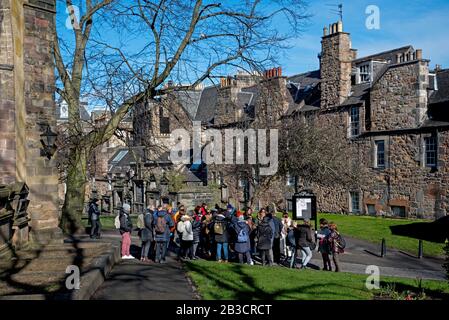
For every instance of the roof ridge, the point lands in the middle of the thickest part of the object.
(384, 52)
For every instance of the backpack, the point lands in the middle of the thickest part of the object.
(341, 242)
(218, 227)
(117, 222)
(140, 221)
(265, 231)
(242, 236)
(161, 225)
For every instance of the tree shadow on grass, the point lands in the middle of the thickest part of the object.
(245, 286)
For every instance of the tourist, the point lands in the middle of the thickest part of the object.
(286, 223)
(248, 213)
(277, 223)
(126, 228)
(161, 225)
(177, 239)
(206, 236)
(203, 209)
(242, 244)
(265, 238)
(185, 228)
(230, 210)
(94, 218)
(172, 229)
(335, 248)
(305, 242)
(323, 245)
(219, 228)
(291, 243)
(146, 234)
(196, 227)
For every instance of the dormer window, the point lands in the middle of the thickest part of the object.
(364, 72)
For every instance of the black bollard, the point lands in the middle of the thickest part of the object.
(383, 249)
(420, 250)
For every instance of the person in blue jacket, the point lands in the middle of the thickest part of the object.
(242, 240)
(162, 224)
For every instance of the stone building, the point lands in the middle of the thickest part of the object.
(26, 115)
(390, 108)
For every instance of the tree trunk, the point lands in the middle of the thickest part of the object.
(74, 198)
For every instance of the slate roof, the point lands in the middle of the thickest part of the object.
(389, 55)
(189, 100)
(206, 107)
(359, 93)
(442, 94)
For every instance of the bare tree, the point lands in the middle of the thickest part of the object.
(316, 153)
(135, 46)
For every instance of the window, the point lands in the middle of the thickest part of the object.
(365, 73)
(355, 121)
(380, 154)
(371, 208)
(399, 211)
(430, 144)
(164, 122)
(291, 180)
(355, 202)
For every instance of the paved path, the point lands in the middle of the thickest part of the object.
(360, 254)
(133, 280)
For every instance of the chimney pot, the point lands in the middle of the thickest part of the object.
(418, 54)
(325, 31)
(339, 26)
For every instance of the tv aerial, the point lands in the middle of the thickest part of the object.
(338, 9)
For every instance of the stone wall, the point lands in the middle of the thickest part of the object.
(397, 101)
(404, 182)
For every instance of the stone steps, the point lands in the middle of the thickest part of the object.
(42, 273)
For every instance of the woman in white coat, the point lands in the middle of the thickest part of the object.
(185, 228)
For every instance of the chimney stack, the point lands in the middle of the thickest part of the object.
(418, 54)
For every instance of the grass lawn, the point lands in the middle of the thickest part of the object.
(373, 229)
(241, 282)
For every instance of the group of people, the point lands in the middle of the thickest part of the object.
(228, 234)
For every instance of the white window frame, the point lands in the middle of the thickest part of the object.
(351, 122)
(364, 73)
(425, 151)
(351, 202)
(376, 154)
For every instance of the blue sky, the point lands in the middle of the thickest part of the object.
(423, 24)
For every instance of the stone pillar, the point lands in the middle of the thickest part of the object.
(27, 87)
(7, 97)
